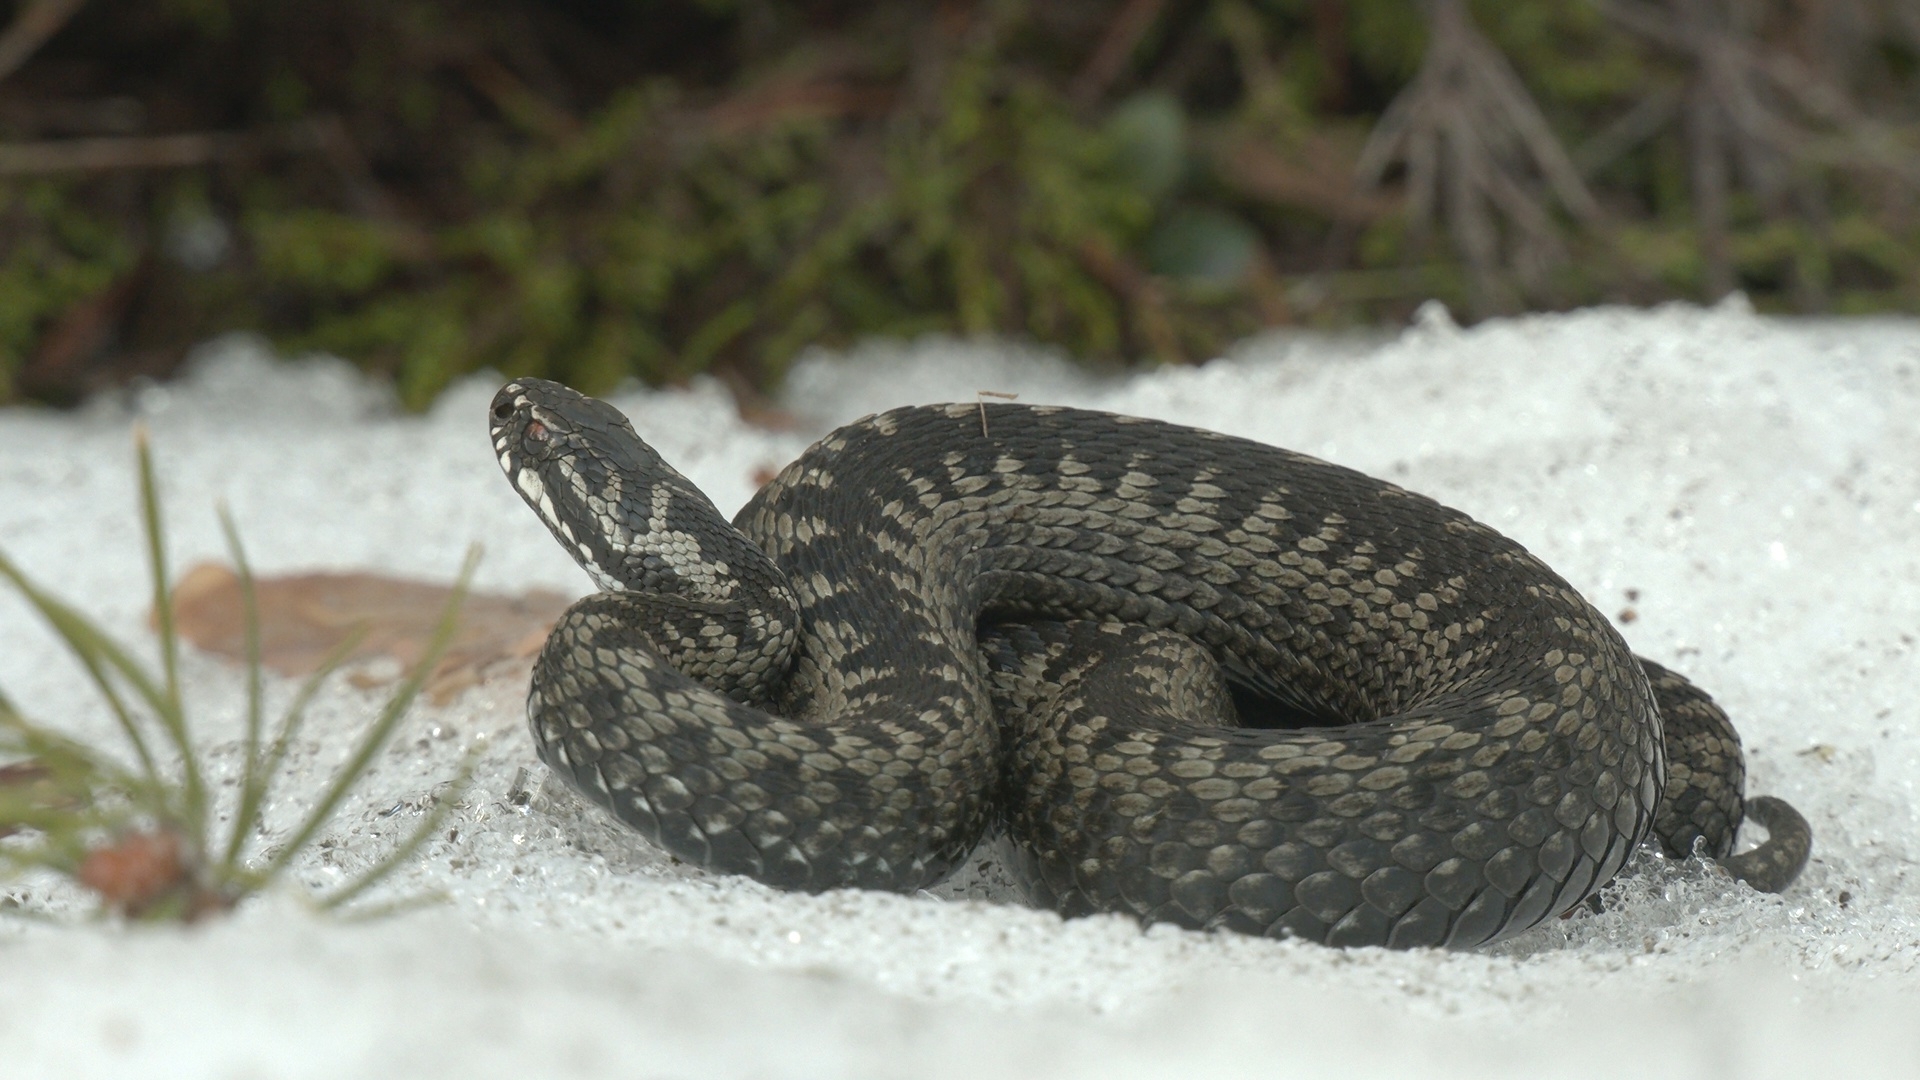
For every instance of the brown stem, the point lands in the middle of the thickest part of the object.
(30, 29)
(1709, 174)
(1478, 152)
(1146, 298)
(1116, 47)
(1254, 166)
(133, 152)
(1330, 42)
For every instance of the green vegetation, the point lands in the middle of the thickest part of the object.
(656, 188)
(146, 837)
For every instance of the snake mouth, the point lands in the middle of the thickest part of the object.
(524, 436)
(528, 432)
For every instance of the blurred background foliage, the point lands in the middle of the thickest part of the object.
(596, 189)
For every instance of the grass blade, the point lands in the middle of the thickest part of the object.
(173, 718)
(377, 735)
(253, 790)
(54, 795)
(66, 758)
(140, 839)
(251, 784)
(157, 565)
(90, 646)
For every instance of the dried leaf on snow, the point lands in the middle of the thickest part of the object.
(303, 616)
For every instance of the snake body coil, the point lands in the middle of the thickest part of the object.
(944, 619)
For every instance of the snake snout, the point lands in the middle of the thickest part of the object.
(511, 421)
(509, 402)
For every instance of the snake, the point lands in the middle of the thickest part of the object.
(1184, 676)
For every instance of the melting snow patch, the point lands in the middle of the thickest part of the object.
(1746, 486)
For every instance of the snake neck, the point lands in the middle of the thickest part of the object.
(673, 572)
(631, 520)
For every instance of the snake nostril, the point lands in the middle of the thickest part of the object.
(504, 410)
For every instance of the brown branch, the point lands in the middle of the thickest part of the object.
(1650, 23)
(133, 152)
(1254, 166)
(766, 106)
(1511, 109)
(1870, 139)
(329, 135)
(1637, 125)
(516, 100)
(1146, 297)
(1477, 151)
(1708, 166)
(1744, 74)
(325, 135)
(61, 359)
(1758, 110)
(1330, 41)
(1116, 47)
(30, 29)
(76, 117)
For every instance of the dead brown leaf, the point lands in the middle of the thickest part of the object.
(136, 871)
(304, 616)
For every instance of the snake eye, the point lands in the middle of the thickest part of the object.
(537, 432)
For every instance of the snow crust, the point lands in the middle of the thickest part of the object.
(1747, 488)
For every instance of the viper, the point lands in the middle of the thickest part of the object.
(1189, 677)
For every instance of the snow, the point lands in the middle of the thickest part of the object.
(1746, 486)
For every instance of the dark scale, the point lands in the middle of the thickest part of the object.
(1194, 678)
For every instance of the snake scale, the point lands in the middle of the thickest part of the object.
(1193, 678)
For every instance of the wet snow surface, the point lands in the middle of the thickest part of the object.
(1748, 489)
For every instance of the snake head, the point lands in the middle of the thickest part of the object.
(626, 516)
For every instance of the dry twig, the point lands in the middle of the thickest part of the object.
(1477, 150)
(1756, 116)
(36, 22)
(1147, 301)
(1130, 24)
(131, 152)
(1316, 175)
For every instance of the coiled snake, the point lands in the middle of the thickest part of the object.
(1194, 678)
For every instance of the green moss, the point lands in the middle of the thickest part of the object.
(724, 185)
(57, 254)
(326, 253)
